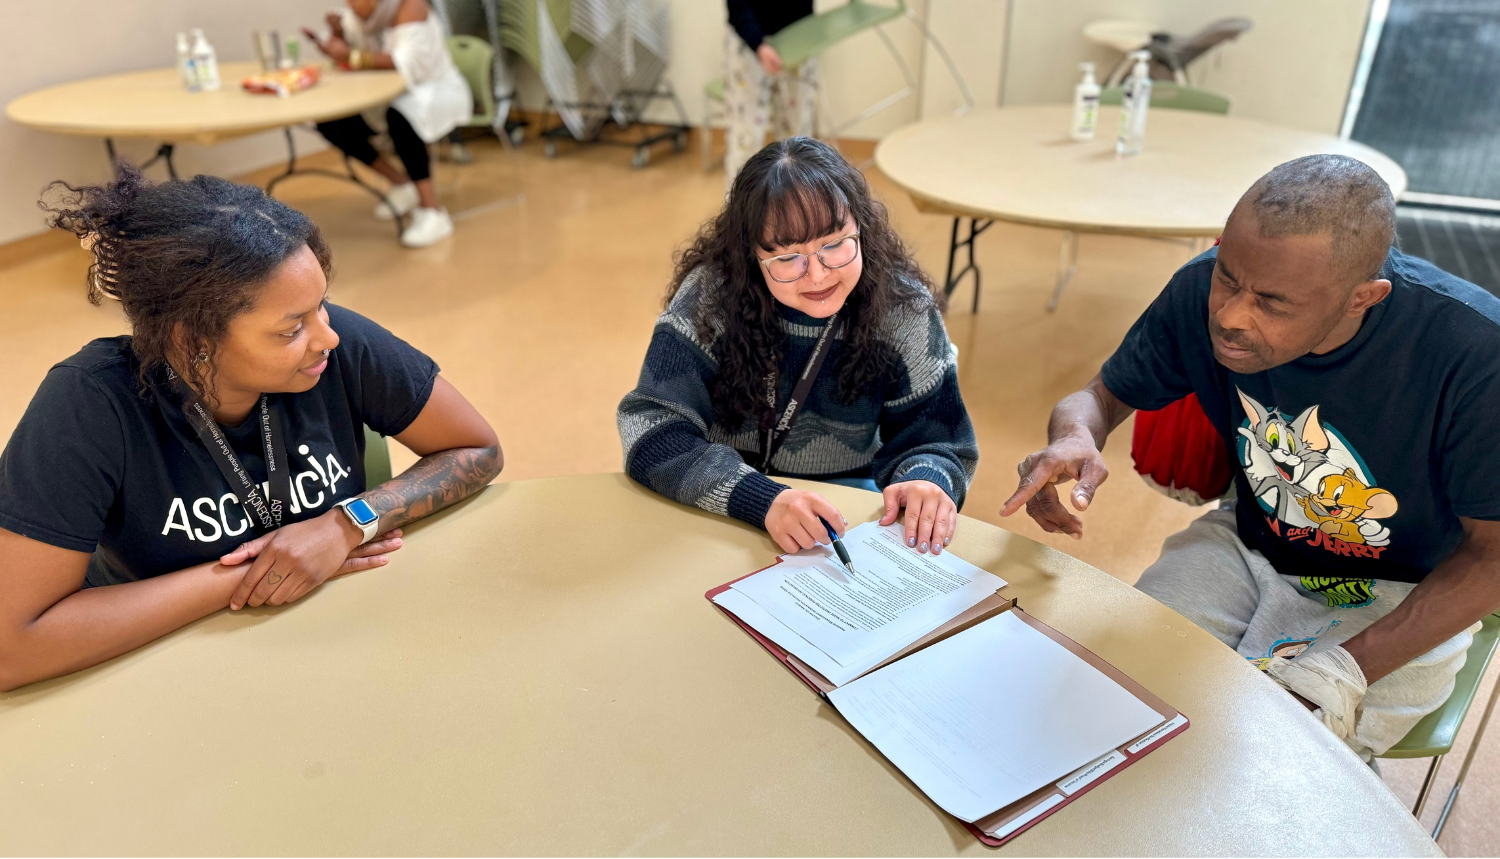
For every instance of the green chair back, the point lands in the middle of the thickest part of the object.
(811, 36)
(377, 459)
(1434, 735)
(475, 59)
(1176, 97)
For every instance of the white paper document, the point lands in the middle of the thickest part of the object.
(989, 715)
(894, 596)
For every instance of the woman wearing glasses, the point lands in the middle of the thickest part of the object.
(801, 339)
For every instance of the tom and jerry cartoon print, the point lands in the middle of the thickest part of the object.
(1310, 483)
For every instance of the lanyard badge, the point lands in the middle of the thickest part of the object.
(778, 431)
(266, 513)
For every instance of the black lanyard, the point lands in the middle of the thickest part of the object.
(266, 515)
(778, 431)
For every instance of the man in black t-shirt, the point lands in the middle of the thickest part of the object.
(1356, 389)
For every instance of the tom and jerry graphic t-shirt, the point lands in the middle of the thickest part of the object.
(97, 464)
(1356, 464)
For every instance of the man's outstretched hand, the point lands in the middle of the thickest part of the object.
(1070, 458)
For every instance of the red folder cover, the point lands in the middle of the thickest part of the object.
(1010, 821)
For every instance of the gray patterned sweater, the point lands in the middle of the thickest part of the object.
(913, 427)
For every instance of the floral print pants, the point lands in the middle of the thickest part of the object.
(754, 99)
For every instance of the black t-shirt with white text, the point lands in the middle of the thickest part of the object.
(97, 464)
(1358, 463)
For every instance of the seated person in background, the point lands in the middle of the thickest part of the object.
(802, 264)
(134, 494)
(1357, 389)
(406, 36)
(758, 88)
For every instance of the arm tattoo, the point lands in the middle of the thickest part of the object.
(434, 482)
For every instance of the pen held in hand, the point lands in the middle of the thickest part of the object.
(838, 545)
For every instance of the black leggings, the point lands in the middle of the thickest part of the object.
(352, 134)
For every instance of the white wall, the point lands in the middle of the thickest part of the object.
(55, 41)
(1294, 68)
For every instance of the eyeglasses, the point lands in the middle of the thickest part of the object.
(788, 268)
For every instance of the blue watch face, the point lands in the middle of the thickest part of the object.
(362, 512)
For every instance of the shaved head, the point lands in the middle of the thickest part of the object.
(1327, 195)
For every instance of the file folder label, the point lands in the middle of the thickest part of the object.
(1090, 772)
(1161, 731)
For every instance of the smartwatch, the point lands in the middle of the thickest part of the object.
(362, 515)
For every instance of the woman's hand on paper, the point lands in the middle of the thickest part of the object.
(793, 520)
(931, 516)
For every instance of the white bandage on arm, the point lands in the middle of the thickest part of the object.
(1330, 679)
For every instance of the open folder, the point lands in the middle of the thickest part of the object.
(998, 718)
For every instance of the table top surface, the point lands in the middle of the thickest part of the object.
(153, 104)
(1019, 164)
(537, 672)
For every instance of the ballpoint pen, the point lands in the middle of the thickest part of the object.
(838, 545)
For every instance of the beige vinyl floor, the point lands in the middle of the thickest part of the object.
(541, 307)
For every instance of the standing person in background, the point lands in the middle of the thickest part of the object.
(406, 36)
(757, 87)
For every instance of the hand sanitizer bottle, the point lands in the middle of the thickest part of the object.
(1086, 104)
(1133, 106)
(205, 62)
(185, 69)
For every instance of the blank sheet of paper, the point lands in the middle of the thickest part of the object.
(987, 716)
(894, 597)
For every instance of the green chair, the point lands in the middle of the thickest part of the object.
(377, 459)
(475, 59)
(1175, 97)
(1433, 736)
(802, 40)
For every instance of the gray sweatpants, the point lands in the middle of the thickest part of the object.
(1208, 576)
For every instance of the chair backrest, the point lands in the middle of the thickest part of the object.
(1176, 97)
(1434, 735)
(815, 34)
(377, 459)
(475, 59)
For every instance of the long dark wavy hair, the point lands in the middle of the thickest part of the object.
(182, 257)
(793, 191)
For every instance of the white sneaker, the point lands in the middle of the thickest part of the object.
(403, 197)
(428, 226)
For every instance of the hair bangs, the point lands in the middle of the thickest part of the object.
(802, 205)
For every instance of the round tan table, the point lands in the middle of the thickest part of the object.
(154, 105)
(537, 672)
(1018, 164)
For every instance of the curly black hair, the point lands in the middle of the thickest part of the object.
(793, 191)
(182, 257)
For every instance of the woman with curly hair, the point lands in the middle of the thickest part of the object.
(214, 458)
(801, 339)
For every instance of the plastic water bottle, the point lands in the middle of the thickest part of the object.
(185, 69)
(205, 63)
(1134, 104)
(1086, 104)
